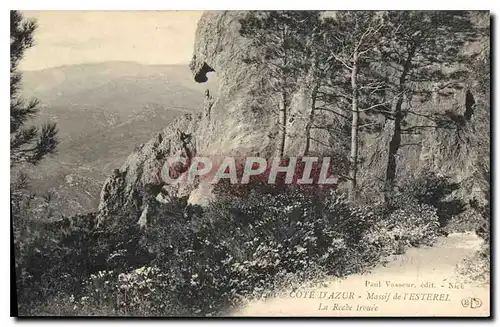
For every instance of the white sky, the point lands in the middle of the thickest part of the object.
(74, 37)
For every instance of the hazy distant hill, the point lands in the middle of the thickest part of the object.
(122, 86)
(103, 112)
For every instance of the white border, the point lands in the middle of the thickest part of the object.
(188, 5)
(252, 5)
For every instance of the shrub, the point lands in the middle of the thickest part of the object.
(55, 257)
(411, 226)
(476, 268)
(471, 221)
(430, 189)
(243, 247)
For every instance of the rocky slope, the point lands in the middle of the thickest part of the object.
(240, 120)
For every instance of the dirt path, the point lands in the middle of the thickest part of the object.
(423, 281)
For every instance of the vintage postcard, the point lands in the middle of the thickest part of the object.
(250, 163)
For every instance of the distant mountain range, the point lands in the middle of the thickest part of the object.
(103, 111)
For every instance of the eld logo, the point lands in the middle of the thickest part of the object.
(471, 302)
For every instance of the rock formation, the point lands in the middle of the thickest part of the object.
(139, 180)
(240, 121)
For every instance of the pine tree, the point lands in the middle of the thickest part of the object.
(350, 90)
(282, 37)
(359, 34)
(28, 144)
(417, 46)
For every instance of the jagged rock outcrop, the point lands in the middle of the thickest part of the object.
(139, 181)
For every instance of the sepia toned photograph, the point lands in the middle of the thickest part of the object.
(250, 163)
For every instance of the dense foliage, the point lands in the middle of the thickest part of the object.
(190, 260)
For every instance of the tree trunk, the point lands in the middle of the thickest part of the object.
(313, 82)
(395, 142)
(354, 131)
(310, 121)
(282, 122)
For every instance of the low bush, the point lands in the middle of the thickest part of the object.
(476, 269)
(429, 189)
(50, 256)
(406, 227)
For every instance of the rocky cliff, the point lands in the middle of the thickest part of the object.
(241, 120)
(138, 181)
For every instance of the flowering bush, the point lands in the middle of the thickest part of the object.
(193, 261)
(246, 247)
(411, 226)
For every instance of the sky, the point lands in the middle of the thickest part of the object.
(75, 37)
